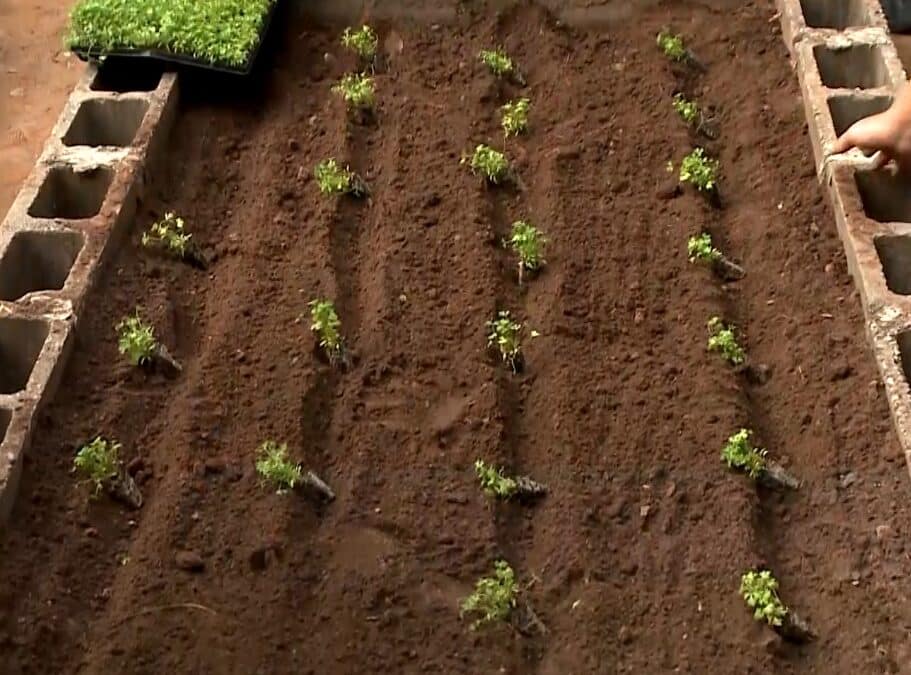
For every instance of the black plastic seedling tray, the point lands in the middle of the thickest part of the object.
(165, 57)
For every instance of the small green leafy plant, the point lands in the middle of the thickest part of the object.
(325, 323)
(99, 462)
(494, 597)
(688, 110)
(273, 465)
(527, 241)
(362, 42)
(168, 234)
(515, 117)
(739, 453)
(494, 482)
(498, 61)
(699, 170)
(760, 591)
(334, 179)
(700, 249)
(506, 335)
(723, 339)
(489, 163)
(136, 340)
(672, 46)
(358, 91)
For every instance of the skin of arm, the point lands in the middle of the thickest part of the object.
(888, 133)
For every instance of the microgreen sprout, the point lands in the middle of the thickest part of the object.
(273, 465)
(362, 42)
(699, 170)
(672, 46)
(760, 591)
(515, 117)
(334, 179)
(137, 340)
(506, 335)
(99, 462)
(688, 110)
(325, 323)
(739, 453)
(357, 89)
(700, 249)
(490, 163)
(494, 597)
(498, 61)
(527, 241)
(722, 339)
(493, 482)
(168, 234)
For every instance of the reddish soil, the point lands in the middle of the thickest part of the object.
(633, 561)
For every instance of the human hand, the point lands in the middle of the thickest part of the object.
(887, 133)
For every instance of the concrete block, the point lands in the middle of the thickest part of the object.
(800, 18)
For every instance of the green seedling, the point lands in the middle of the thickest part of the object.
(489, 163)
(273, 466)
(739, 453)
(168, 235)
(334, 179)
(498, 62)
(494, 598)
(137, 340)
(362, 42)
(527, 241)
(760, 591)
(324, 322)
(493, 482)
(699, 170)
(672, 46)
(515, 117)
(358, 91)
(688, 110)
(506, 335)
(723, 339)
(99, 461)
(701, 250)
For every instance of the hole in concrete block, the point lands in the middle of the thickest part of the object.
(127, 75)
(839, 14)
(106, 122)
(856, 67)
(846, 110)
(67, 194)
(6, 416)
(37, 261)
(21, 341)
(895, 255)
(886, 197)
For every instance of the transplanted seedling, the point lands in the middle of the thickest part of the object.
(324, 322)
(168, 235)
(759, 589)
(515, 117)
(528, 243)
(740, 454)
(702, 172)
(138, 343)
(362, 42)
(673, 47)
(701, 250)
(500, 64)
(496, 484)
(722, 339)
(506, 336)
(358, 91)
(491, 164)
(494, 598)
(692, 114)
(274, 466)
(334, 179)
(99, 462)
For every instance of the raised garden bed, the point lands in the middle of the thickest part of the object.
(623, 541)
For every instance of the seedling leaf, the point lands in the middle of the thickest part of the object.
(515, 117)
(739, 453)
(672, 46)
(688, 110)
(700, 249)
(760, 591)
(326, 324)
(527, 241)
(357, 89)
(168, 234)
(699, 170)
(505, 334)
(494, 482)
(494, 597)
(362, 42)
(334, 179)
(137, 340)
(274, 466)
(498, 61)
(490, 163)
(99, 462)
(722, 339)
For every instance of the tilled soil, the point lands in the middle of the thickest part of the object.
(633, 560)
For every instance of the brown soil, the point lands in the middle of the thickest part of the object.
(633, 559)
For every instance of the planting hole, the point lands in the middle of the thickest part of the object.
(846, 110)
(21, 341)
(886, 197)
(67, 194)
(37, 261)
(106, 122)
(839, 14)
(856, 67)
(125, 76)
(895, 256)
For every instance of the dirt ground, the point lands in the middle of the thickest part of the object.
(633, 560)
(36, 76)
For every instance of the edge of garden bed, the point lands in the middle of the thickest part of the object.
(848, 72)
(68, 219)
